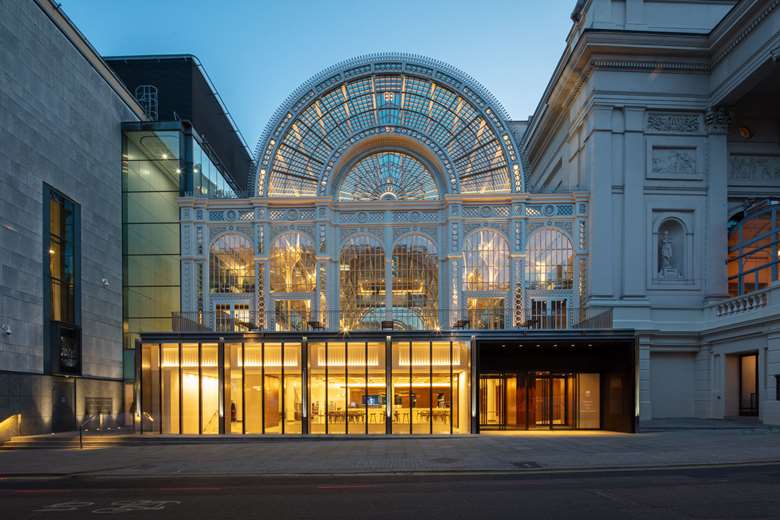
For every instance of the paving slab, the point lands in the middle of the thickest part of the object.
(498, 452)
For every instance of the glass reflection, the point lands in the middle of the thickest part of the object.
(170, 388)
(362, 283)
(209, 388)
(550, 260)
(401, 397)
(262, 387)
(189, 390)
(253, 389)
(415, 283)
(293, 263)
(234, 389)
(231, 265)
(272, 387)
(486, 261)
(293, 388)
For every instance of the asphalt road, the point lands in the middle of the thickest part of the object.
(711, 493)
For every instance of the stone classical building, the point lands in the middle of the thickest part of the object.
(405, 258)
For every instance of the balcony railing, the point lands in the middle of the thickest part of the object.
(379, 319)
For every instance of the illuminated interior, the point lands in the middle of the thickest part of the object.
(231, 265)
(388, 176)
(409, 104)
(263, 388)
(415, 269)
(754, 247)
(293, 263)
(486, 261)
(361, 283)
(550, 260)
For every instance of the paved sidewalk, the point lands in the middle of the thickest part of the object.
(489, 453)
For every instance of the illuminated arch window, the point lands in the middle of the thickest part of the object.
(446, 120)
(361, 282)
(293, 263)
(231, 265)
(550, 260)
(486, 261)
(388, 176)
(415, 282)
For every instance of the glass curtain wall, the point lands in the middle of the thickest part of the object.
(485, 278)
(415, 283)
(362, 283)
(550, 261)
(207, 179)
(257, 388)
(754, 248)
(151, 170)
(231, 265)
(293, 268)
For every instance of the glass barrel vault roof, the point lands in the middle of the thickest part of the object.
(442, 112)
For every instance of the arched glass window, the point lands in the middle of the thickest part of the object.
(754, 247)
(293, 263)
(362, 283)
(486, 261)
(231, 265)
(388, 176)
(550, 260)
(415, 282)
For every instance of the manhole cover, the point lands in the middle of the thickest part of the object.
(444, 460)
(526, 465)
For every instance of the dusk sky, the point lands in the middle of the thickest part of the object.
(257, 52)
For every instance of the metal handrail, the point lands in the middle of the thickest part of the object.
(381, 318)
(81, 429)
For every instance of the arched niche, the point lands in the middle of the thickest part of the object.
(671, 251)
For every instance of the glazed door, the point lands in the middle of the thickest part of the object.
(492, 401)
(502, 402)
(553, 400)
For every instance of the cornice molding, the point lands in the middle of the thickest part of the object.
(629, 65)
(664, 52)
(732, 41)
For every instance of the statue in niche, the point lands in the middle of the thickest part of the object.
(667, 270)
(666, 251)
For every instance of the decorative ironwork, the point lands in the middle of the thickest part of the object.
(400, 91)
(388, 176)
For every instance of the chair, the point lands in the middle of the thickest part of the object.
(315, 325)
(461, 324)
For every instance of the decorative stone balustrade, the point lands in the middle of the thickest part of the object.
(742, 304)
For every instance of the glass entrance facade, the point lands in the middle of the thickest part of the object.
(539, 400)
(353, 387)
